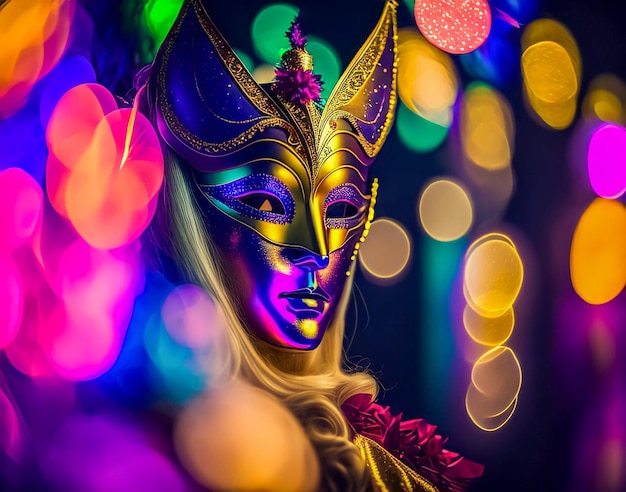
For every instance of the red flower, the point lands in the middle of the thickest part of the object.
(412, 441)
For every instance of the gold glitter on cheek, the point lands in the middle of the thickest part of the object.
(272, 256)
(455, 26)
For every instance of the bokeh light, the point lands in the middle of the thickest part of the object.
(159, 15)
(488, 331)
(495, 385)
(264, 73)
(85, 329)
(12, 295)
(496, 60)
(455, 26)
(551, 69)
(33, 36)
(386, 252)
(102, 452)
(427, 79)
(268, 31)
(606, 161)
(11, 423)
(483, 422)
(487, 127)
(105, 167)
(71, 71)
(21, 208)
(445, 210)
(246, 59)
(238, 428)
(191, 317)
(605, 98)
(326, 62)
(177, 373)
(417, 133)
(598, 252)
(493, 275)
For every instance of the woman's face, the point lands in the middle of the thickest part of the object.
(286, 241)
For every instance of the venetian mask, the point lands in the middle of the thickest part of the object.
(282, 176)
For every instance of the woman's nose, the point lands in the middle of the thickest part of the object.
(306, 259)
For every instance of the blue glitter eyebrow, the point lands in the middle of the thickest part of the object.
(230, 193)
(344, 193)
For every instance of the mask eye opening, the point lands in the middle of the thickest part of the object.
(341, 209)
(263, 201)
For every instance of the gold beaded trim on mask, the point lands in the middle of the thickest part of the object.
(368, 223)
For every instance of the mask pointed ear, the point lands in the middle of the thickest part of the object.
(204, 101)
(365, 96)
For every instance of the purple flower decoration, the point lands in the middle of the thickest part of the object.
(412, 441)
(300, 86)
(296, 38)
(295, 80)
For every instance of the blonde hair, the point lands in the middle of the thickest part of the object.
(311, 384)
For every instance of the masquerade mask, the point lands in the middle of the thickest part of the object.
(276, 169)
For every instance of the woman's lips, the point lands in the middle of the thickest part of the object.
(306, 303)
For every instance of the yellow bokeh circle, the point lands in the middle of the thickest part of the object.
(386, 252)
(493, 275)
(598, 252)
(445, 210)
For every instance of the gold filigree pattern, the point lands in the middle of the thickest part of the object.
(309, 131)
(272, 114)
(388, 473)
(350, 87)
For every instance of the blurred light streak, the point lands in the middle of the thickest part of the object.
(445, 210)
(268, 31)
(606, 160)
(385, 255)
(493, 275)
(455, 26)
(240, 427)
(439, 268)
(598, 252)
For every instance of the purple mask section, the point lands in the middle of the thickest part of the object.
(198, 100)
(235, 193)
